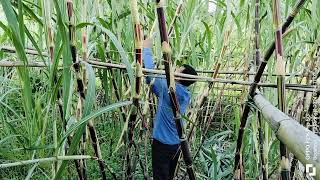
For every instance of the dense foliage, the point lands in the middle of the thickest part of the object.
(43, 112)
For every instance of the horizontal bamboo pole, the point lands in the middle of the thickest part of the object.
(96, 60)
(248, 73)
(178, 76)
(57, 158)
(300, 141)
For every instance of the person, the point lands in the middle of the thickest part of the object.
(165, 143)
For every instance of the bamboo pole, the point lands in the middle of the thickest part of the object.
(42, 160)
(280, 71)
(246, 109)
(121, 66)
(178, 76)
(299, 140)
(171, 85)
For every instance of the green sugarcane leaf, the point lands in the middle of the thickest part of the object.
(34, 43)
(67, 62)
(124, 56)
(19, 46)
(82, 25)
(93, 115)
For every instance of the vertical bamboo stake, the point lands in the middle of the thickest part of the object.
(135, 107)
(81, 89)
(246, 109)
(280, 71)
(171, 85)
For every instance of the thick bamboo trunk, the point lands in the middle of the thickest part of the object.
(302, 142)
(246, 109)
(172, 93)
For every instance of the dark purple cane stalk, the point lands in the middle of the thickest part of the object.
(172, 93)
(280, 71)
(253, 87)
(81, 88)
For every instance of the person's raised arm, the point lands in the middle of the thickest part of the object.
(149, 64)
(147, 56)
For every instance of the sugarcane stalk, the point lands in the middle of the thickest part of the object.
(135, 108)
(81, 88)
(84, 57)
(259, 116)
(201, 100)
(207, 124)
(166, 50)
(176, 15)
(246, 109)
(280, 71)
(208, 89)
(76, 65)
(50, 45)
(264, 168)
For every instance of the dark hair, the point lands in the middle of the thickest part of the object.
(188, 70)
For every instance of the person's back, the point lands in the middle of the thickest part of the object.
(165, 145)
(164, 126)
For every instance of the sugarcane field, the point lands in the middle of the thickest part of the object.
(160, 89)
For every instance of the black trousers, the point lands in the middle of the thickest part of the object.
(164, 159)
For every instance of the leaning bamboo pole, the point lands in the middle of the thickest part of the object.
(299, 140)
(81, 88)
(280, 71)
(136, 97)
(246, 109)
(171, 88)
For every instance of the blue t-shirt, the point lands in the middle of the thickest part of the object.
(164, 126)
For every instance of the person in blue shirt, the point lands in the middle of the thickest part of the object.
(165, 144)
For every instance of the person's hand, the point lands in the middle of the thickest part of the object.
(147, 43)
